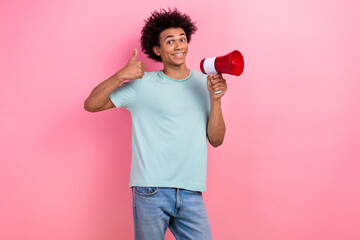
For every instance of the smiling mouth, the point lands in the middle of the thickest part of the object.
(178, 55)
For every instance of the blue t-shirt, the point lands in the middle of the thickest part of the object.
(169, 121)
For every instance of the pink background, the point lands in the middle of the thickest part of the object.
(289, 166)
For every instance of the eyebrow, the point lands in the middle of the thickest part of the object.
(174, 36)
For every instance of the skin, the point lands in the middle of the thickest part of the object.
(173, 49)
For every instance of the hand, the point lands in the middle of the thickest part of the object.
(133, 70)
(216, 86)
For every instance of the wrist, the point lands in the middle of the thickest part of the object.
(119, 77)
(216, 102)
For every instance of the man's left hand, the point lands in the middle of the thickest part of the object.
(216, 87)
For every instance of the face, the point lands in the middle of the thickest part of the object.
(173, 46)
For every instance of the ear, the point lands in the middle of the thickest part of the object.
(156, 50)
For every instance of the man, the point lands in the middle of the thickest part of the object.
(173, 112)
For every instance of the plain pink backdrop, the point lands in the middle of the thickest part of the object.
(289, 167)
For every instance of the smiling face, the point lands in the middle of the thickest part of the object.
(173, 47)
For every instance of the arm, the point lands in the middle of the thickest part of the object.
(99, 100)
(216, 124)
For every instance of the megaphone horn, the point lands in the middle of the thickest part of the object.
(231, 63)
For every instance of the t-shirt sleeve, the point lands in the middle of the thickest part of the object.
(125, 94)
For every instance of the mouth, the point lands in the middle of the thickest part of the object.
(178, 55)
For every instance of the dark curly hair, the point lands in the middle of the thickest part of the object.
(159, 21)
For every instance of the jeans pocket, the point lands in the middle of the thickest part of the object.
(146, 191)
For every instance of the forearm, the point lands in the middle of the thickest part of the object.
(99, 96)
(98, 99)
(216, 125)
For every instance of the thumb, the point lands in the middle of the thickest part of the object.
(133, 57)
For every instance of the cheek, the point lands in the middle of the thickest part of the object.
(165, 49)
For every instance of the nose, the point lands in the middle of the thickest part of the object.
(179, 45)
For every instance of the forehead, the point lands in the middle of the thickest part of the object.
(175, 32)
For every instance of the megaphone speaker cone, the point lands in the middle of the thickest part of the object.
(231, 63)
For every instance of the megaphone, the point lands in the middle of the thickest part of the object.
(231, 63)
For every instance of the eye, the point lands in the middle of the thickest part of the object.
(170, 42)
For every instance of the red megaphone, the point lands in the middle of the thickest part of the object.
(232, 63)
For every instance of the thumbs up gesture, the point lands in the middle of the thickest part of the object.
(133, 69)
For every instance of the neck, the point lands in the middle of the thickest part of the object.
(176, 72)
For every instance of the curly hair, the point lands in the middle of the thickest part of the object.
(159, 21)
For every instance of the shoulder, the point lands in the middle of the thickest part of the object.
(151, 75)
(198, 75)
(151, 78)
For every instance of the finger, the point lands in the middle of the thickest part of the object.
(133, 57)
(219, 85)
(218, 75)
(219, 90)
(222, 89)
(218, 81)
(209, 84)
(220, 94)
(210, 88)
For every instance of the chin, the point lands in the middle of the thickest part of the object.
(179, 62)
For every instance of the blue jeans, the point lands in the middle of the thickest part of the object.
(183, 211)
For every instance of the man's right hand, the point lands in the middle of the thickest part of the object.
(133, 70)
